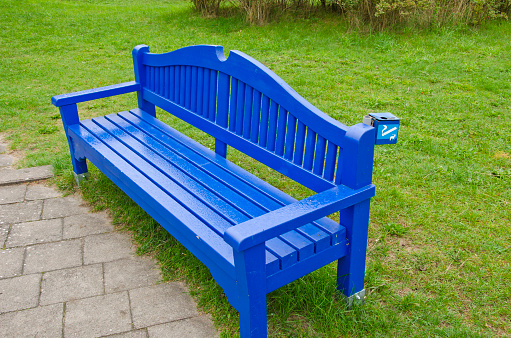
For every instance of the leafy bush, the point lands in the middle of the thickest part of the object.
(382, 14)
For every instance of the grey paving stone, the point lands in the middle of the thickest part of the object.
(11, 262)
(87, 224)
(35, 232)
(97, 316)
(20, 212)
(130, 334)
(62, 207)
(53, 256)
(3, 147)
(42, 321)
(12, 194)
(6, 160)
(19, 293)
(70, 284)
(130, 273)
(10, 176)
(39, 192)
(197, 327)
(107, 247)
(161, 303)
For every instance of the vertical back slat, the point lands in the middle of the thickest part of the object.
(166, 82)
(310, 145)
(290, 137)
(205, 95)
(212, 95)
(265, 112)
(299, 143)
(177, 74)
(256, 110)
(200, 89)
(193, 96)
(281, 131)
(331, 154)
(319, 157)
(222, 113)
(232, 108)
(156, 71)
(148, 77)
(157, 83)
(151, 81)
(182, 84)
(247, 116)
(188, 86)
(163, 84)
(239, 108)
(272, 125)
(338, 171)
(171, 83)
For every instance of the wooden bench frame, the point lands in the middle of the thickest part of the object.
(243, 104)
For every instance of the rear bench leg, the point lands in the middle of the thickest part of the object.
(351, 268)
(251, 281)
(69, 115)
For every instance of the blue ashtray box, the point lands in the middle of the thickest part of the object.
(387, 127)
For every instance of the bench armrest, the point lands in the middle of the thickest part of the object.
(260, 229)
(94, 94)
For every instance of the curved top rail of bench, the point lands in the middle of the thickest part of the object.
(250, 71)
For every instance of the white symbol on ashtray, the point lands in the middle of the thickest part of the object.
(383, 132)
(392, 137)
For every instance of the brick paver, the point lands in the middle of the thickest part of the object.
(11, 262)
(98, 316)
(12, 194)
(42, 321)
(20, 212)
(53, 256)
(19, 293)
(36, 232)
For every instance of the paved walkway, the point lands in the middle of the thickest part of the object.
(65, 272)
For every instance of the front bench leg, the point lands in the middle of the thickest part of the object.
(250, 267)
(69, 115)
(351, 268)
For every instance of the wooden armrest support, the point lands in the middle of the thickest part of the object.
(94, 94)
(260, 229)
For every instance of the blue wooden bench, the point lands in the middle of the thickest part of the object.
(253, 237)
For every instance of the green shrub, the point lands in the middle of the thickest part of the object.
(383, 14)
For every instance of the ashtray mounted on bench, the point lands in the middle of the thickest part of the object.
(253, 237)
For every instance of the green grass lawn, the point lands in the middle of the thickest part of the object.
(439, 252)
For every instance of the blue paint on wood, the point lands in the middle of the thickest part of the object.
(253, 237)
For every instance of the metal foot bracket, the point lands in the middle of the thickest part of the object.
(79, 178)
(355, 299)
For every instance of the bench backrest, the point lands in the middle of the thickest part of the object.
(242, 103)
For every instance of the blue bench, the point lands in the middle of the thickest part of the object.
(253, 237)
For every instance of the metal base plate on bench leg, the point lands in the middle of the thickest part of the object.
(79, 178)
(355, 299)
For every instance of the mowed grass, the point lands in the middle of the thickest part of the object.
(439, 248)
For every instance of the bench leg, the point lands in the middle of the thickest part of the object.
(69, 115)
(251, 280)
(351, 268)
